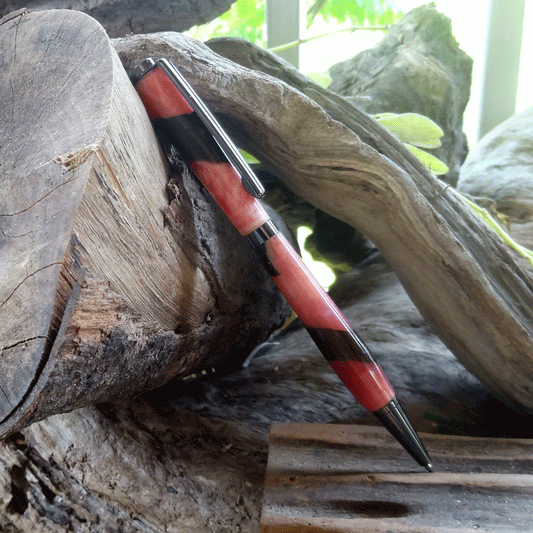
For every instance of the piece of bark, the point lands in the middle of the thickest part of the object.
(114, 279)
(121, 17)
(461, 276)
(417, 67)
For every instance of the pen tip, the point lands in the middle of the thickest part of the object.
(395, 420)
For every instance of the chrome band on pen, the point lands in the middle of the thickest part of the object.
(258, 239)
(262, 233)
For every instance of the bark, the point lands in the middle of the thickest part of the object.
(463, 279)
(121, 17)
(114, 279)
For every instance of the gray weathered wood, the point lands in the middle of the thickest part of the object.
(192, 457)
(337, 478)
(113, 279)
(463, 279)
(500, 167)
(417, 67)
(121, 17)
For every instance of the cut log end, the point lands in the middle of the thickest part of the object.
(116, 279)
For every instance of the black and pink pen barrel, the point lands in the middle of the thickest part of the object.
(339, 343)
(201, 142)
(332, 333)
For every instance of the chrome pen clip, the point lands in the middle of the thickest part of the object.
(250, 182)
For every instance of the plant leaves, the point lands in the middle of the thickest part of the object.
(321, 78)
(358, 12)
(412, 128)
(248, 157)
(489, 220)
(433, 164)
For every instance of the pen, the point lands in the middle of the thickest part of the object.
(179, 115)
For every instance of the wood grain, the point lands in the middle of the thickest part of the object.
(339, 478)
(117, 271)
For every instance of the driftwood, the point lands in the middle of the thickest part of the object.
(121, 17)
(499, 170)
(463, 279)
(113, 279)
(417, 67)
(192, 457)
(318, 480)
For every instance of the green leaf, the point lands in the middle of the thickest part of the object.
(245, 19)
(412, 128)
(357, 12)
(489, 220)
(249, 158)
(433, 164)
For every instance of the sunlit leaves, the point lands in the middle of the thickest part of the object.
(432, 163)
(416, 132)
(245, 19)
(412, 128)
(358, 12)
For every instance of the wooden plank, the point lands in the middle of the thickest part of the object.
(339, 478)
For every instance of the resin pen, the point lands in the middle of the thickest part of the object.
(179, 114)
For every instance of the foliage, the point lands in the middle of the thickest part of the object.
(416, 132)
(246, 18)
(492, 223)
(358, 12)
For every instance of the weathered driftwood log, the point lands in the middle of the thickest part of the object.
(120, 17)
(417, 67)
(112, 279)
(460, 275)
(193, 458)
(499, 169)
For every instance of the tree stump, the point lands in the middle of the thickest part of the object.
(114, 279)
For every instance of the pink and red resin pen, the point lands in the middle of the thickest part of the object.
(179, 114)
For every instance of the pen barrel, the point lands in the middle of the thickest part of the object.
(328, 327)
(174, 118)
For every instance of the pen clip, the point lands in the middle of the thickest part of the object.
(250, 182)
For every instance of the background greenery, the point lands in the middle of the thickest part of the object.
(246, 18)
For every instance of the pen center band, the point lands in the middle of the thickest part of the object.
(264, 232)
(258, 239)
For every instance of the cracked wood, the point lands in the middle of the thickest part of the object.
(113, 279)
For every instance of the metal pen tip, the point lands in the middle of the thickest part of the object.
(393, 417)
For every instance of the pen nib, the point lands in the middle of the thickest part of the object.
(395, 420)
